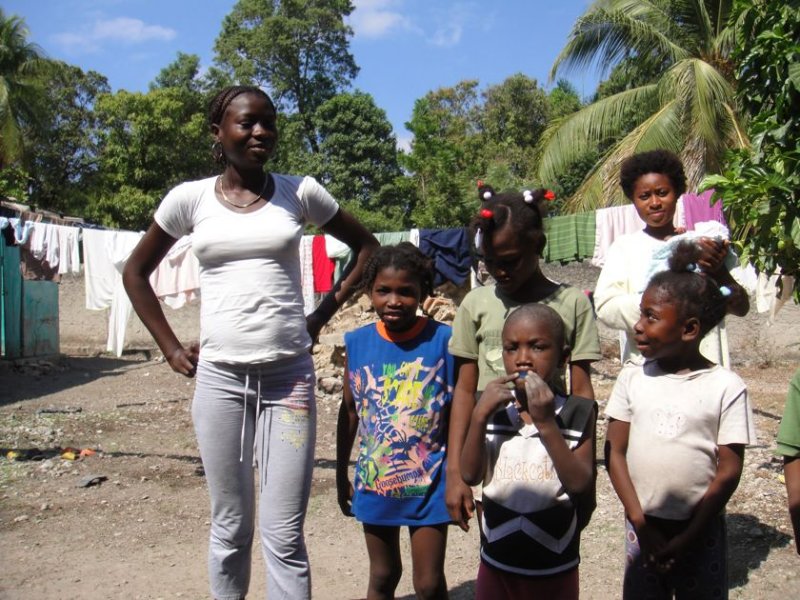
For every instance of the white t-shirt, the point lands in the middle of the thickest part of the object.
(619, 292)
(677, 423)
(251, 300)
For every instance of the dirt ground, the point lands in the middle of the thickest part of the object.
(139, 529)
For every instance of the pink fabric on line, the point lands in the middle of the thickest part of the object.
(698, 208)
(176, 281)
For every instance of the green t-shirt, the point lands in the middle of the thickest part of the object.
(789, 431)
(478, 327)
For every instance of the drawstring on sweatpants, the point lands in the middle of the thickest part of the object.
(244, 412)
(258, 413)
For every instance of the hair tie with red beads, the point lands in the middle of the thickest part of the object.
(549, 195)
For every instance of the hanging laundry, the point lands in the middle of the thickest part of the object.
(679, 220)
(698, 208)
(339, 252)
(772, 292)
(105, 253)
(176, 280)
(69, 256)
(610, 223)
(392, 238)
(307, 273)
(22, 230)
(99, 271)
(119, 249)
(57, 245)
(569, 237)
(450, 251)
(324, 267)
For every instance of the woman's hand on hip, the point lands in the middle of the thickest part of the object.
(184, 360)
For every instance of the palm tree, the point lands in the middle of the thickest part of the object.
(21, 68)
(688, 105)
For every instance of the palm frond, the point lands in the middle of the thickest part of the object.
(572, 135)
(613, 30)
(601, 187)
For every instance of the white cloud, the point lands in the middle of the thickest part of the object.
(448, 35)
(378, 18)
(123, 30)
(452, 22)
(132, 31)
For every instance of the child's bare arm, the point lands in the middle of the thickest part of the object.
(791, 471)
(711, 260)
(616, 448)
(458, 495)
(725, 482)
(473, 454)
(346, 429)
(580, 379)
(575, 468)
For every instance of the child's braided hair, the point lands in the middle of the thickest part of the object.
(524, 211)
(695, 294)
(404, 256)
(220, 102)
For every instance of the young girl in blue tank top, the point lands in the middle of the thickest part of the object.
(397, 393)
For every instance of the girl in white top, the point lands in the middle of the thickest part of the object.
(255, 377)
(678, 426)
(654, 181)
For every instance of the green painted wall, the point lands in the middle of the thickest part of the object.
(28, 311)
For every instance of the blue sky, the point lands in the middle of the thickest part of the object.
(404, 48)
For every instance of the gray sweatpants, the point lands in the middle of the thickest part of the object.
(276, 426)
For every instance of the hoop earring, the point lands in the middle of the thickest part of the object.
(217, 153)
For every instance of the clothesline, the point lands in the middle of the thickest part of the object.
(50, 250)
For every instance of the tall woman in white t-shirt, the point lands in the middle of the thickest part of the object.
(254, 397)
(654, 181)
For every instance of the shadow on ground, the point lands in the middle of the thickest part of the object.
(28, 380)
(463, 591)
(749, 543)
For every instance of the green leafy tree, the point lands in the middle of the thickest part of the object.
(688, 106)
(563, 101)
(446, 156)
(298, 49)
(462, 135)
(512, 118)
(149, 142)
(62, 145)
(357, 160)
(759, 185)
(21, 83)
(184, 74)
(15, 183)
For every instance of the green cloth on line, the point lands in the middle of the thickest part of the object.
(569, 237)
(391, 238)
